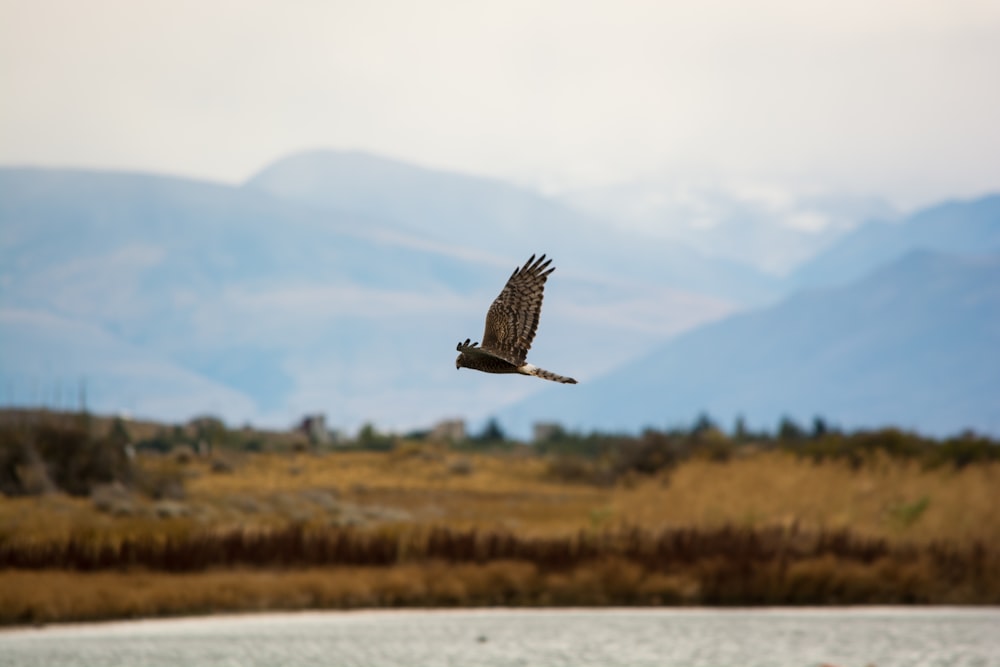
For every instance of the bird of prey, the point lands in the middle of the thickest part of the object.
(510, 326)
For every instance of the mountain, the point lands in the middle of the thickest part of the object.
(340, 282)
(501, 220)
(168, 297)
(765, 227)
(960, 227)
(913, 344)
(64, 363)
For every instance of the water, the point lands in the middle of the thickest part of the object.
(853, 637)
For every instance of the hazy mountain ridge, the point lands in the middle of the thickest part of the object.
(959, 227)
(503, 220)
(775, 348)
(279, 307)
(912, 344)
(259, 303)
(760, 226)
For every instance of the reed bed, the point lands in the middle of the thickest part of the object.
(424, 524)
(298, 568)
(301, 546)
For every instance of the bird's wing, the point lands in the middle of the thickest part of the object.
(513, 318)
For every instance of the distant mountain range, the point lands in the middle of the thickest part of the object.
(169, 297)
(764, 227)
(913, 344)
(463, 213)
(341, 282)
(954, 227)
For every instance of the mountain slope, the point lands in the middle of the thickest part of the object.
(768, 228)
(61, 363)
(912, 344)
(262, 309)
(499, 219)
(967, 227)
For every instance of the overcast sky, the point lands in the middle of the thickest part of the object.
(898, 98)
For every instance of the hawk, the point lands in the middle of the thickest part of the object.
(510, 326)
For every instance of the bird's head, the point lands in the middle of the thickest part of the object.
(460, 361)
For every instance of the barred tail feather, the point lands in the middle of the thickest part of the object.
(531, 369)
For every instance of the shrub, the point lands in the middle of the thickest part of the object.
(61, 451)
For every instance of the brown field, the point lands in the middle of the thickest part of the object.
(764, 527)
(431, 485)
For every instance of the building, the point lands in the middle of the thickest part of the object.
(545, 431)
(448, 430)
(314, 427)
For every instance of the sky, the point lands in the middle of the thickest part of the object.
(894, 98)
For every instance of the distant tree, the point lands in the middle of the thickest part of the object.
(67, 453)
(740, 429)
(789, 430)
(367, 433)
(370, 438)
(703, 424)
(118, 434)
(819, 427)
(492, 432)
(209, 432)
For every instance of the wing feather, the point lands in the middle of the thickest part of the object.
(512, 319)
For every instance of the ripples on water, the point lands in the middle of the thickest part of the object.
(910, 637)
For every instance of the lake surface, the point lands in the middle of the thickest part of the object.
(846, 637)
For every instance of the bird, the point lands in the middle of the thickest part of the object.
(511, 323)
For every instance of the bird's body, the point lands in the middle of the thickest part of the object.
(511, 323)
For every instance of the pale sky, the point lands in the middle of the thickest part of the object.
(898, 98)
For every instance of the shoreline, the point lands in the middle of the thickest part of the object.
(265, 617)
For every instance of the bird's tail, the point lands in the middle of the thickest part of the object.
(531, 369)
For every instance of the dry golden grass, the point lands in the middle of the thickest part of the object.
(418, 487)
(421, 485)
(427, 525)
(894, 499)
(33, 596)
(40, 597)
(427, 485)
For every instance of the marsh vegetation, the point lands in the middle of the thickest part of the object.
(102, 518)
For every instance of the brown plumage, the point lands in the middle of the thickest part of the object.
(510, 326)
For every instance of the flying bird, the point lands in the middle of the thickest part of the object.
(510, 326)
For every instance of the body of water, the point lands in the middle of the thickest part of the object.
(846, 637)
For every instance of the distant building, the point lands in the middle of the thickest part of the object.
(314, 427)
(545, 431)
(449, 430)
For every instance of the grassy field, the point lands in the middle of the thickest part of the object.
(425, 524)
(430, 485)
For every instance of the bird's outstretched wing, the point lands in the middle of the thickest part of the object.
(513, 318)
